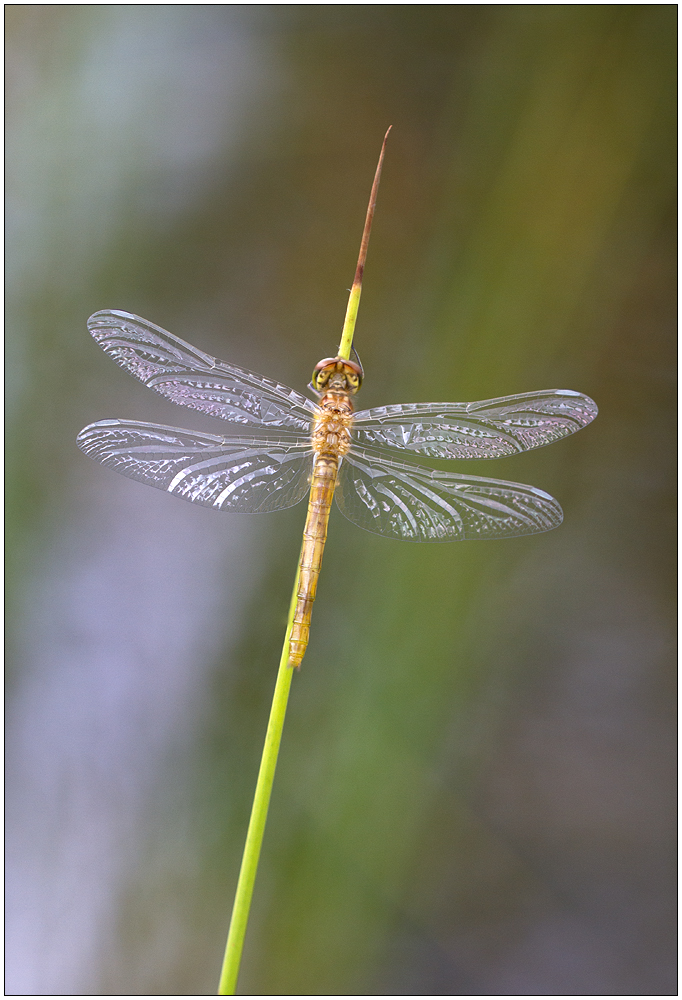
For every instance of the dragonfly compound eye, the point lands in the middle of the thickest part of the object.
(337, 373)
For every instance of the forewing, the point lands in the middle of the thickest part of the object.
(242, 475)
(490, 428)
(423, 505)
(193, 378)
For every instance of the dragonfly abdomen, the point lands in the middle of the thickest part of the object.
(314, 538)
(330, 440)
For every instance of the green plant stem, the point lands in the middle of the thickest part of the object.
(349, 323)
(259, 814)
(266, 774)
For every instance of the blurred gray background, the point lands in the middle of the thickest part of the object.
(476, 790)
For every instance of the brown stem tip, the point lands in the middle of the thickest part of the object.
(370, 215)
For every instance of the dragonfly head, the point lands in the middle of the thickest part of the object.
(337, 374)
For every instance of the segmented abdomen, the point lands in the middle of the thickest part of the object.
(314, 537)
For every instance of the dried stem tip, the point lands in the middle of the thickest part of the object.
(354, 298)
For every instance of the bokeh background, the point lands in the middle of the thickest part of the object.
(476, 789)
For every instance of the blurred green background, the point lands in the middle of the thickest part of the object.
(477, 779)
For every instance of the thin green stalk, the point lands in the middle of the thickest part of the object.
(259, 814)
(266, 774)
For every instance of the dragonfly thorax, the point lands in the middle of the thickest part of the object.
(331, 429)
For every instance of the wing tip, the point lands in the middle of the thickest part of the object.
(590, 407)
(95, 321)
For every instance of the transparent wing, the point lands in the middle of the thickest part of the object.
(424, 505)
(491, 428)
(192, 378)
(242, 475)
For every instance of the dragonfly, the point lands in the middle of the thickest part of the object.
(324, 448)
(362, 458)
